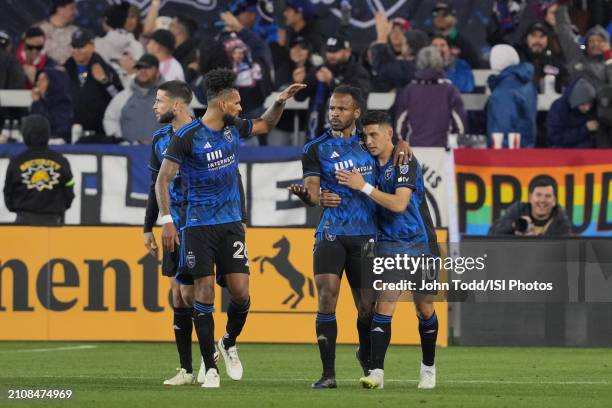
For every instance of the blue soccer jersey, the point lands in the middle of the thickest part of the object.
(412, 229)
(161, 141)
(209, 165)
(356, 214)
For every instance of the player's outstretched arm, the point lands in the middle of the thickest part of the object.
(396, 202)
(270, 118)
(162, 191)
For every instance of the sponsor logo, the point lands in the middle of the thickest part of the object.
(344, 165)
(216, 155)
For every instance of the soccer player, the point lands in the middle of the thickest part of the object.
(404, 227)
(347, 224)
(172, 109)
(205, 151)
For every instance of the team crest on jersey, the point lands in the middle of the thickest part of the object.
(329, 237)
(191, 260)
(388, 173)
(404, 169)
(227, 134)
(40, 174)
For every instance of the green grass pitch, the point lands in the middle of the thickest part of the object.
(130, 375)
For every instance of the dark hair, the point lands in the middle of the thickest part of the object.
(438, 36)
(212, 55)
(219, 81)
(188, 23)
(376, 118)
(543, 180)
(177, 89)
(34, 32)
(354, 92)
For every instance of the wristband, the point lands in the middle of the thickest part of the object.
(367, 189)
(165, 219)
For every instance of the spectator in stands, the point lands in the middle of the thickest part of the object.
(253, 79)
(133, 24)
(571, 118)
(161, 44)
(590, 63)
(11, 73)
(297, 68)
(32, 55)
(512, 106)
(379, 84)
(259, 49)
(184, 30)
(118, 47)
(258, 16)
(129, 114)
(397, 38)
(387, 66)
(94, 82)
(504, 21)
(212, 55)
(339, 68)
(536, 50)
(445, 24)
(430, 106)
(541, 216)
(39, 184)
(58, 29)
(456, 69)
(300, 20)
(51, 98)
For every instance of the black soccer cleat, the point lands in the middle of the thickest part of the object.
(325, 382)
(364, 365)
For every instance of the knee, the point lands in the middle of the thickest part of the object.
(204, 292)
(187, 297)
(365, 310)
(327, 300)
(425, 310)
(241, 297)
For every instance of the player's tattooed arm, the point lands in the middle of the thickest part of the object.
(162, 191)
(270, 118)
(396, 202)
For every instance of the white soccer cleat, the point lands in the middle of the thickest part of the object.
(211, 379)
(233, 366)
(202, 372)
(375, 379)
(182, 377)
(427, 379)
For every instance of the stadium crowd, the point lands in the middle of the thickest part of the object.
(101, 89)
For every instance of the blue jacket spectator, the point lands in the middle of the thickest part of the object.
(457, 70)
(568, 117)
(513, 104)
(52, 98)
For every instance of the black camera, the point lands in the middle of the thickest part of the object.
(521, 225)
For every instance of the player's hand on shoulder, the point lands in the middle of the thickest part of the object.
(402, 153)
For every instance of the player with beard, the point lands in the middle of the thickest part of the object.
(205, 151)
(347, 224)
(172, 109)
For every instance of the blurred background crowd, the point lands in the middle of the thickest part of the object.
(93, 72)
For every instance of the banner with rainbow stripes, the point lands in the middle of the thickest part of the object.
(488, 181)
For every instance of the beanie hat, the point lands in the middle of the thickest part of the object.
(502, 56)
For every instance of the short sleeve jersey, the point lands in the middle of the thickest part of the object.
(356, 214)
(161, 141)
(209, 166)
(413, 226)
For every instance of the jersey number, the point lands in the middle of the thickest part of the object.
(241, 252)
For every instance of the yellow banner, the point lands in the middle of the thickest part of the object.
(98, 283)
